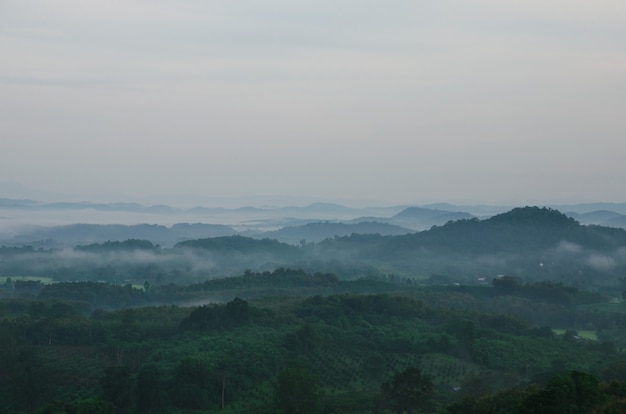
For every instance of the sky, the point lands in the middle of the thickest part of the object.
(383, 102)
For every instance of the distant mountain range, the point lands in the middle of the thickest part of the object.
(601, 218)
(294, 224)
(78, 234)
(325, 208)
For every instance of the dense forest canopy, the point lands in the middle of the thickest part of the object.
(340, 345)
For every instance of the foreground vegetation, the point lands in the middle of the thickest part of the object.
(339, 346)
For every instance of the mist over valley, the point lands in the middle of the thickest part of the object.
(418, 244)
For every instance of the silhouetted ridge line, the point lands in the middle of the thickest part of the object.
(534, 216)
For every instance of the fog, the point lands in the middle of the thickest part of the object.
(565, 262)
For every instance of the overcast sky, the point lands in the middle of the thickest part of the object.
(386, 101)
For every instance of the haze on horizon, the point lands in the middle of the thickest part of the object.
(403, 102)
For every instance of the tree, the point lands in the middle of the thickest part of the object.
(195, 386)
(117, 386)
(576, 392)
(296, 390)
(409, 391)
(31, 382)
(87, 406)
(507, 284)
(149, 390)
(94, 406)
(237, 312)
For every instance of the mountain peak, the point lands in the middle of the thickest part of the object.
(533, 216)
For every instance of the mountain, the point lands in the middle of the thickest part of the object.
(16, 203)
(619, 221)
(481, 210)
(421, 218)
(590, 207)
(519, 230)
(233, 254)
(85, 205)
(531, 242)
(601, 218)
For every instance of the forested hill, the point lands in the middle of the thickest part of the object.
(530, 242)
(240, 244)
(519, 230)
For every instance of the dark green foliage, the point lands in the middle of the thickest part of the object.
(351, 308)
(109, 246)
(117, 385)
(31, 381)
(195, 385)
(237, 312)
(149, 396)
(508, 324)
(207, 317)
(98, 294)
(347, 403)
(305, 339)
(465, 332)
(534, 217)
(571, 393)
(280, 278)
(520, 229)
(574, 393)
(506, 401)
(553, 292)
(93, 406)
(507, 285)
(615, 372)
(87, 406)
(296, 390)
(230, 355)
(241, 244)
(409, 391)
(27, 288)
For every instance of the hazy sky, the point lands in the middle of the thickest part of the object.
(390, 101)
